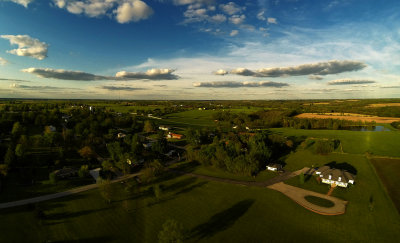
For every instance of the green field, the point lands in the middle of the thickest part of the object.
(388, 171)
(200, 118)
(210, 212)
(354, 142)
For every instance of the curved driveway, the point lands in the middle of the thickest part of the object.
(297, 194)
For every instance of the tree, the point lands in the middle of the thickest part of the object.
(20, 150)
(87, 153)
(83, 171)
(106, 190)
(17, 129)
(3, 169)
(148, 126)
(172, 232)
(53, 178)
(9, 158)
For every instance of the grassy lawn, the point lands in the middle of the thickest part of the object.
(388, 171)
(210, 212)
(13, 190)
(354, 142)
(319, 201)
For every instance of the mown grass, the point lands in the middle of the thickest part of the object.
(388, 171)
(320, 201)
(354, 142)
(210, 212)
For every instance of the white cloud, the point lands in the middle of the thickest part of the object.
(218, 18)
(350, 81)
(27, 46)
(221, 72)
(230, 8)
(261, 16)
(24, 3)
(272, 20)
(237, 19)
(234, 33)
(151, 74)
(3, 61)
(233, 84)
(132, 11)
(124, 11)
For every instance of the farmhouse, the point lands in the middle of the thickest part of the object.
(335, 177)
(274, 167)
(174, 135)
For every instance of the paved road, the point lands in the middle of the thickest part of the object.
(297, 194)
(59, 194)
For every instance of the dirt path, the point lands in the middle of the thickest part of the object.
(59, 194)
(297, 194)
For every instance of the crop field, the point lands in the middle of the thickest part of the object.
(350, 117)
(383, 105)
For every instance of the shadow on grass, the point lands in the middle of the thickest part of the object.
(190, 188)
(88, 240)
(221, 221)
(343, 166)
(66, 215)
(180, 184)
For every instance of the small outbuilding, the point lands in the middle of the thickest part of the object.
(274, 167)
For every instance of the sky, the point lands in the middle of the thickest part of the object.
(200, 49)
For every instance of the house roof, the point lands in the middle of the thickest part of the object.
(345, 176)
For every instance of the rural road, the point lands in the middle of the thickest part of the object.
(59, 194)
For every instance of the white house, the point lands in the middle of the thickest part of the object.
(335, 177)
(274, 167)
(164, 128)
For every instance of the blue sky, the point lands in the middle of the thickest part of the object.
(199, 49)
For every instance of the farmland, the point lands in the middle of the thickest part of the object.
(209, 211)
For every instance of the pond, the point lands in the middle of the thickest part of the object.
(367, 128)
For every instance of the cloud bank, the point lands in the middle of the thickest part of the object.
(320, 68)
(64, 74)
(119, 88)
(350, 81)
(123, 11)
(232, 84)
(27, 46)
(151, 74)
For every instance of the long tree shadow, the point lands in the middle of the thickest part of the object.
(221, 221)
(89, 240)
(66, 215)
